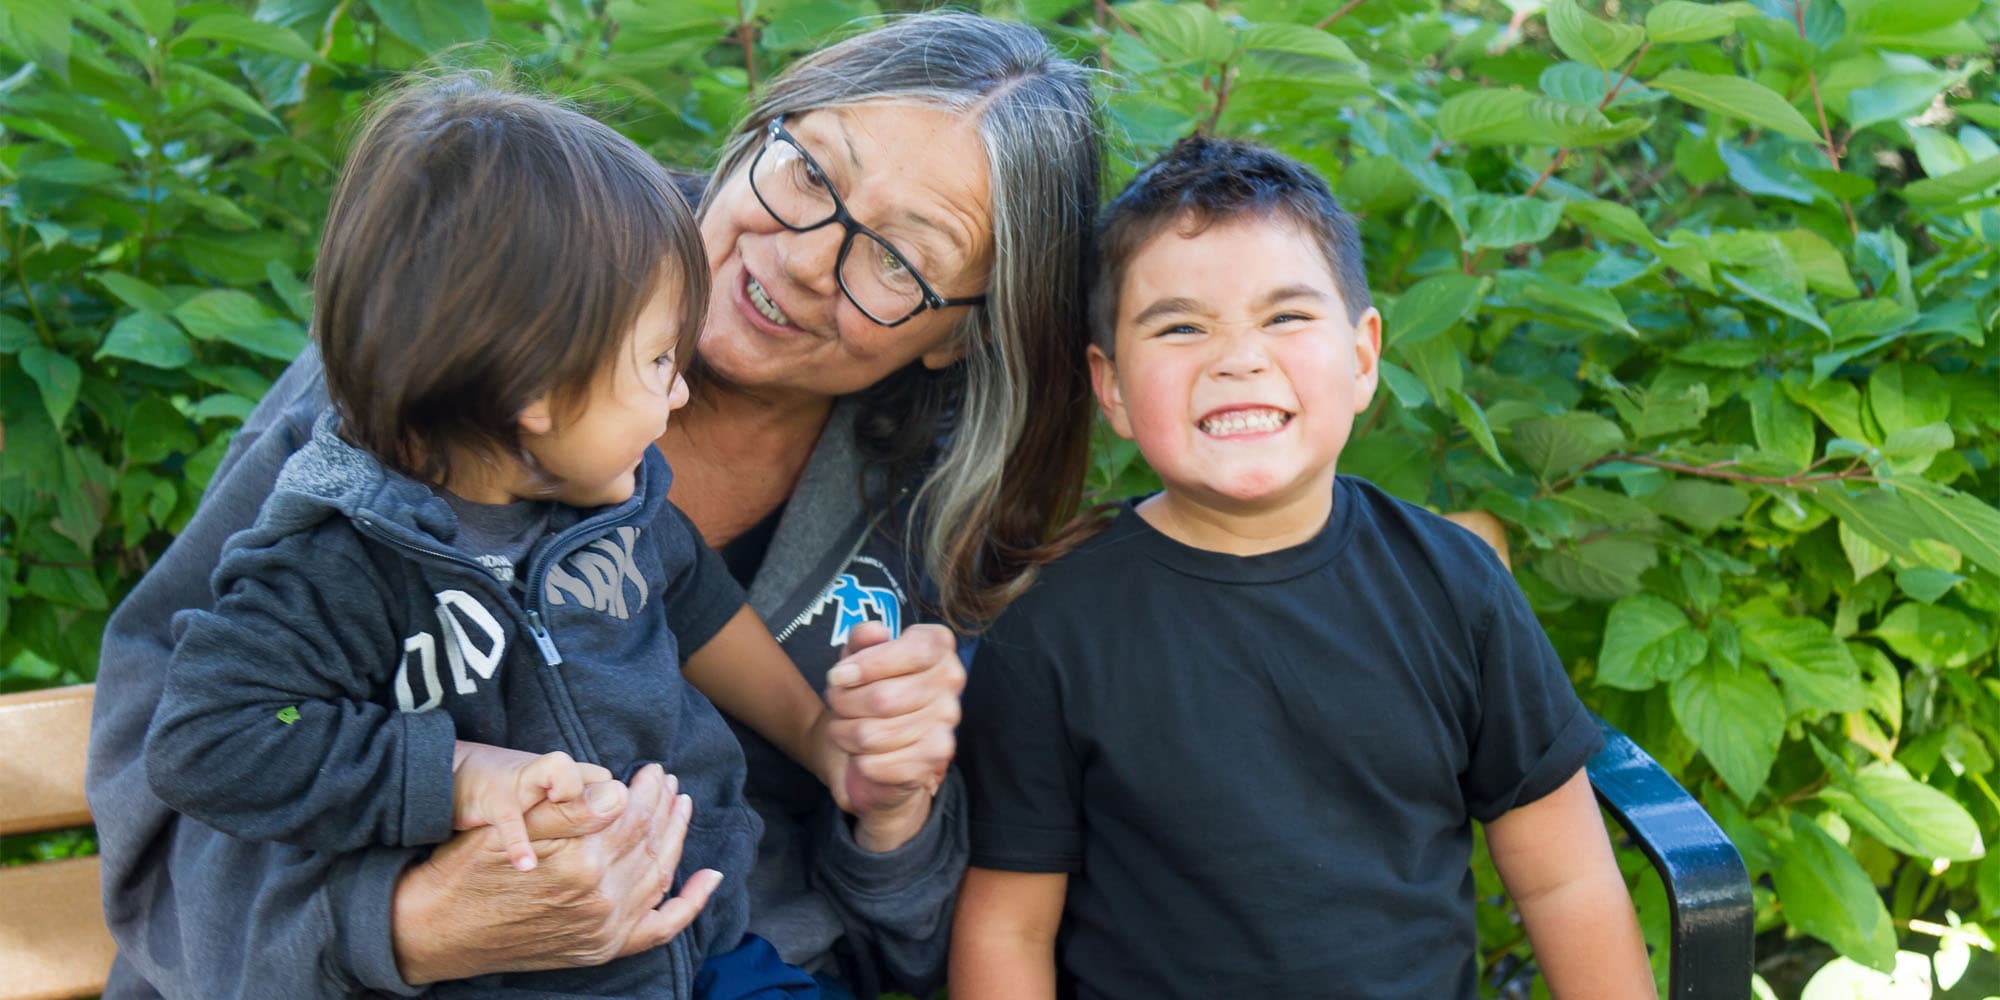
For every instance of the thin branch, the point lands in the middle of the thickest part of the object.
(1854, 472)
(27, 290)
(746, 35)
(1345, 9)
(1825, 130)
(1223, 77)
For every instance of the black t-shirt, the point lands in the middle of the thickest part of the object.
(1259, 771)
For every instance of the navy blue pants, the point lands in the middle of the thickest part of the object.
(752, 971)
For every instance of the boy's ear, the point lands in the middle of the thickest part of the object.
(1104, 381)
(1367, 357)
(536, 419)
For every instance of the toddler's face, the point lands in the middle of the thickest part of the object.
(594, 448)
(1238, 371)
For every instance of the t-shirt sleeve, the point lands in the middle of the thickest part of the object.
(704, 596)
(1533, 733)
(1023, 778)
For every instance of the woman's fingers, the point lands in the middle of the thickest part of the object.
(872, 656)
(674, 915)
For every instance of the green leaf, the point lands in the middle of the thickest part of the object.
(1738, 98)
(40, 31)
(1603, 570)
(1824, 268)
(1957, 519)
(1551, 446)
(56, 375)
(133, 292)
(1473, 419)
(1781, 426)
(1906, 86)
(154, 430)
(237, 318)
(71, 587)
(1597, 307)
(1904, 396)
(1926, 584)
(1501, 222)
(1181, 33)
(1827, 895)
(1734, 714)
(1863, 556)
(1647, 641)
(1681, 21)
(1489, 117)
(15, 336)
(203, 82)
(148, 338)
(1432, 306)
(1976, 179)
(1932, 636)
(1900, 17)
(1908, 816)
(242, 31)
(1407, 388)
(1586, 39)
(1813, 666)
(1435, 362)
(431, 25)
(289, 714)
(1703, 506)
(1298, 53)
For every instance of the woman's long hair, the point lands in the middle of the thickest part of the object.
(1000, 485)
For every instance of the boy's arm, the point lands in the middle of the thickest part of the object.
(1553, 855)
(1003, 940)
(269, 729)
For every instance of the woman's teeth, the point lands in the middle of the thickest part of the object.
(761, 301)
(1245, 422)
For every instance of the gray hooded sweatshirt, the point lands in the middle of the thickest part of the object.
(352, 641)
(197, 913)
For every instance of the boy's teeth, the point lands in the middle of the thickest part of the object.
(761, 301)
(1245, 422)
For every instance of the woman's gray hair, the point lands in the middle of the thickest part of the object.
(986, 523)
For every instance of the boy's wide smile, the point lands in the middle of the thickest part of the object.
(1238, 421)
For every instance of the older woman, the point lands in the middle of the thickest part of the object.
(896, 233)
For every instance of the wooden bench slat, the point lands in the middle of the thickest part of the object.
(44, 738)
(52, 937)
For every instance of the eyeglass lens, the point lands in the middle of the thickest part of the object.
(879, 278)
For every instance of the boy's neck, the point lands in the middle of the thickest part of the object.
(1249, 530)
(478, 478)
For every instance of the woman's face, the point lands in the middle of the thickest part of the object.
(778, 320)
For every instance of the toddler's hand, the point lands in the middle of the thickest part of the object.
(493, 786)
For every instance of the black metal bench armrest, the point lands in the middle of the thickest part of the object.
(1708, 889)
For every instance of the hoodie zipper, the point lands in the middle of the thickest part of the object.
(583, 533)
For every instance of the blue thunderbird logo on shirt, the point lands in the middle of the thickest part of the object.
(855, 604)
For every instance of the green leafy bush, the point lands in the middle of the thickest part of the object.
(1693, 297)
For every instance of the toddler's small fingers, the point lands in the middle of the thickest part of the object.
(514, 836)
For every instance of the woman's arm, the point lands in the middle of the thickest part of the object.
(1557, 864)
(1003, 942)
(883, 747)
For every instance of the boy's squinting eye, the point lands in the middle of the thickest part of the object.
(1290, 317)
(1177, 329)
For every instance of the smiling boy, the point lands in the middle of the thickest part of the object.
(1233, 747)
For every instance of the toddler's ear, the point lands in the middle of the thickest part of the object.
(535, 418)
(1104, 381)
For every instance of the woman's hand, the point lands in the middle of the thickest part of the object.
(607, 858)
(896, 707)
